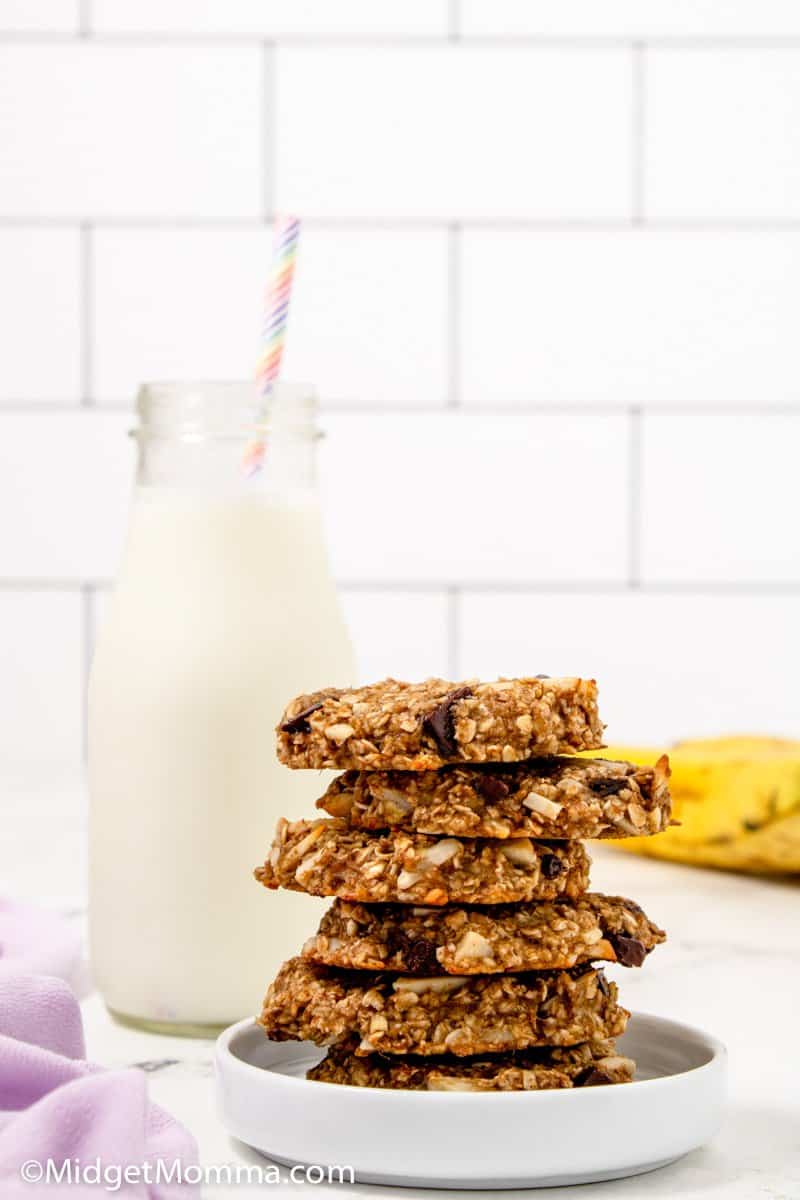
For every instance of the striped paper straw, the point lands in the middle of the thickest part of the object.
(276, 314)
(279, 292)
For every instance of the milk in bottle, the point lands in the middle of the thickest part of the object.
(224, 609)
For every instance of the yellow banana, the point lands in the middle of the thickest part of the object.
(737, 800)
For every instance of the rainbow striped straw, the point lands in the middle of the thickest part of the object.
(276, 314)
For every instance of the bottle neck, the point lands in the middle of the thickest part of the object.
(263, 463)
(225, 438)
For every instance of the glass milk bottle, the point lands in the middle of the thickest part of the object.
(224, 609)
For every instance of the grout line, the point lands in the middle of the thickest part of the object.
(87, 648)
(366, 41)
(41, 585)
(729, 587)
(479, 587)
(131, 222)
(399, 224)
(635, 498)
(453, 629)
(773, 588)
(613, 41)
(453, 335)
(638, 132)
(32, 407)
(268, 128)
(334, 407)
(86, 318)
(454, 21)
(348, 407)
(701, 42)
(134, 39)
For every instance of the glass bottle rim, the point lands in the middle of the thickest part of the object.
(206, 408)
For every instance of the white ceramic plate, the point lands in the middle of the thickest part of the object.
(476, 1140)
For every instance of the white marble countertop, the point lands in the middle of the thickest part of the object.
(731, 966)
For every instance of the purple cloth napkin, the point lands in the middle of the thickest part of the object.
(55, 1106)
(41, 943)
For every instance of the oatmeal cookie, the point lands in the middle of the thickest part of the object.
(327, 858)
(444, 1014)
(543, 798)
(467, 941)
(423, 726)
(535, 1069)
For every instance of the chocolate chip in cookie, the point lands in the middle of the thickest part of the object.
(418, 954)
(493, 789)
(591, 1078)
(441, 725)
(552, 866)
(629, 950)
(299, 723)
(607, 787)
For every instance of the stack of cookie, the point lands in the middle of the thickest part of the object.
(459, 952)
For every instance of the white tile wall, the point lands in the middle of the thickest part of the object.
(272, 17)
(630, 18)
(669, 666)
(41, 15)
(370, 316)
(174, 303)
(477, 499)
(112, 131)
(454, 133)
(65, 479)
(734, 514)
(42, 676)
(40, 315)
(369, 313)
(722, 134)
(547, 288)
(404, 634)
(628, 318)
